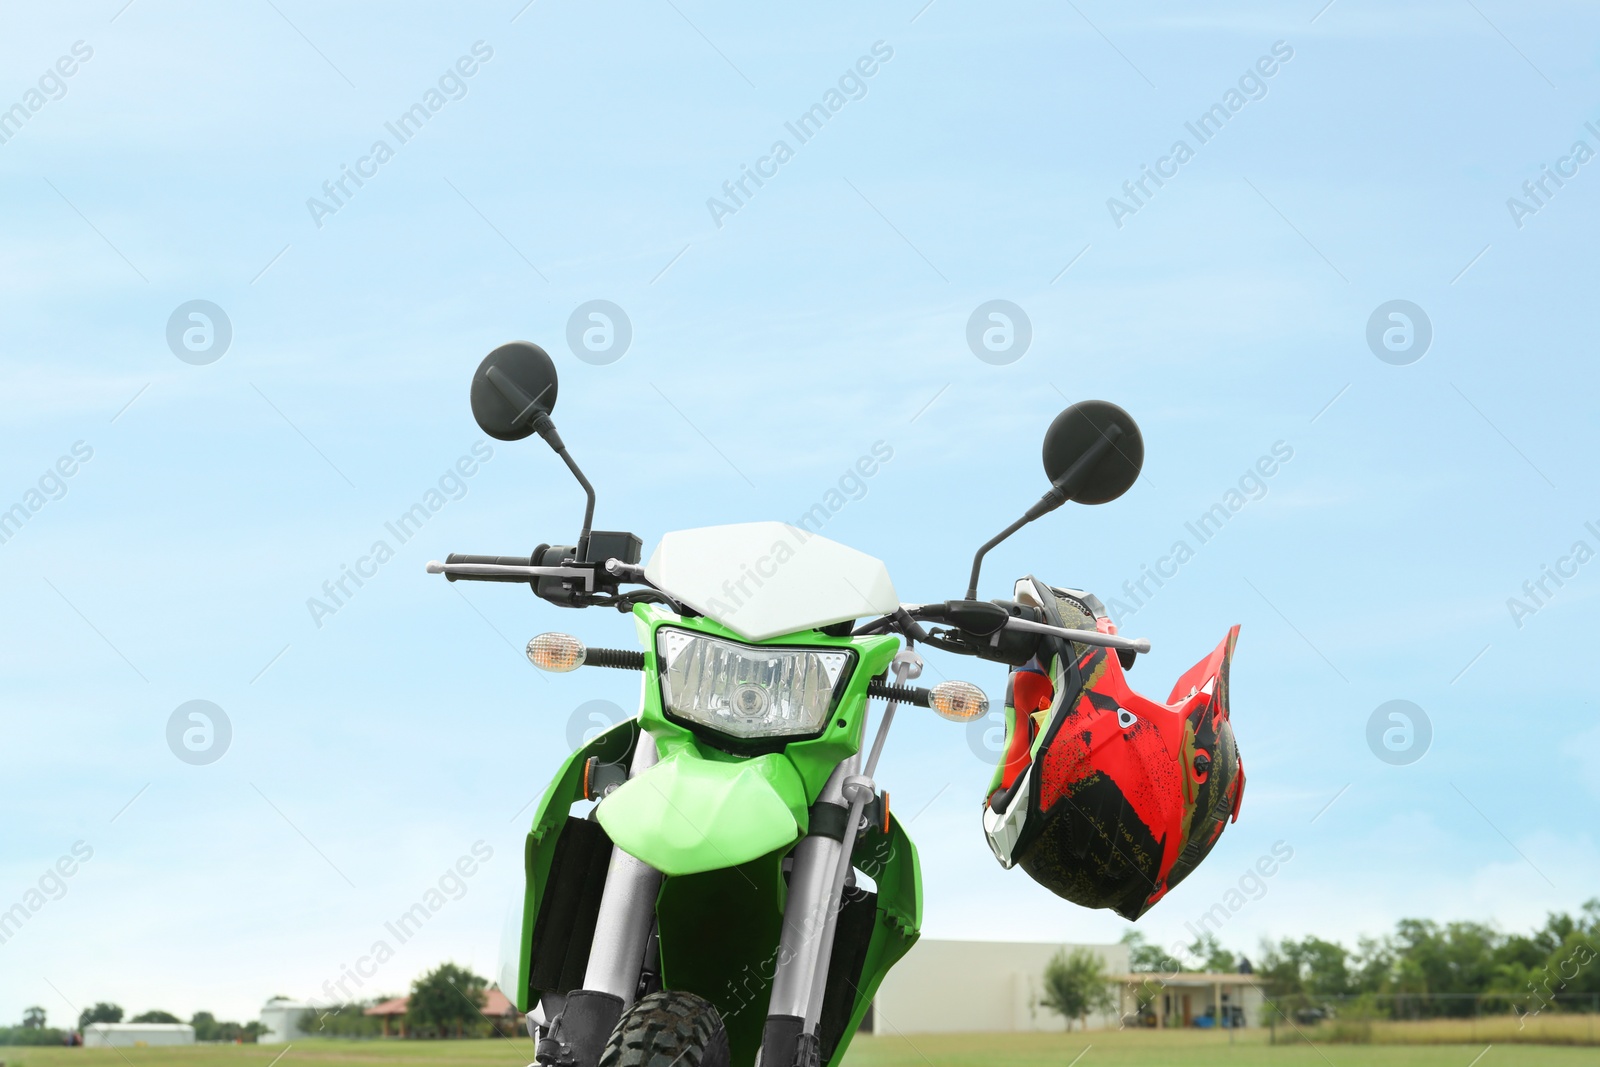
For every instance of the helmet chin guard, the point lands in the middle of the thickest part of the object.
(1105, 797)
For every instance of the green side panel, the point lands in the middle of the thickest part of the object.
(566, 789)
(890, 859)
(719, 938)
(688, 814)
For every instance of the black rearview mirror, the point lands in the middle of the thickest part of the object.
(1076, 431)
(1093, 452)
(513, 393)
(513, 385)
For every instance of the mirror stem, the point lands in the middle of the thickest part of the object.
(547, 430)
(588, 507)
(977, 561)
(1059, 494)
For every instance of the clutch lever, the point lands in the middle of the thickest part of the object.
(1083, 637)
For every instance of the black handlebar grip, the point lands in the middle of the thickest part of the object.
(501, 561)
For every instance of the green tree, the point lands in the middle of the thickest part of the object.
(30, 1035)
(342, 1020)
(1571, 966)
(1144, 957)
(248, 1033)
(1573, 969)
(1374, 963)
(207, 1027)
(33, 1018)
(1212, 955)
(1075, 984)
(447, 1000)
(1309, 967)
(100, 1013)
(157, 1016)
(1457, 957)
(1304, 975)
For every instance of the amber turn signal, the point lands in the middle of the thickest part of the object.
(557, 653)
(958, 701)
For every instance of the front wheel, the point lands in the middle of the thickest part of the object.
(668, 1029)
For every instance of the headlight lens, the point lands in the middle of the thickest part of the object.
(747, 691)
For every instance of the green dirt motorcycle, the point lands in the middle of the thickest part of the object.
(711, 907)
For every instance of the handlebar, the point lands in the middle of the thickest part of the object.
(503, 569)
(978, 624)
(559, 574)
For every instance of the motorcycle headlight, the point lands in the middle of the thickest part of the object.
(747, 691)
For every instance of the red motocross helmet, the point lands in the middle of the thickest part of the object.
(1105, 797)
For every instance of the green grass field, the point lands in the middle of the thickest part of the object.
(1104, 1049)
(1151, 1048)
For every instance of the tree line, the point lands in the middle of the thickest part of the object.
(446, 1002)
(1422, 967)
(36, 1030)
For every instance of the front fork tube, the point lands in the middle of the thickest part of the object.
(816, 894)
(627, 908)
(805, 914)
(577, 1036)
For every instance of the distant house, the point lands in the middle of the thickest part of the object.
(1001, 984)
(496, 1008)
(393, 1014)
(282, 1021)
(136, 1035)
(1191, 998)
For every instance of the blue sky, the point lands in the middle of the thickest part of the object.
(1229, 313)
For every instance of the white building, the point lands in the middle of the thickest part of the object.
(282, 1021)
(136, 1035)
(988, 986)
(978, 986)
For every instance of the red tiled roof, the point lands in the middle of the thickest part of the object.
(496, 1003)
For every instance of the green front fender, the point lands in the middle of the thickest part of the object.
(689, 814)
